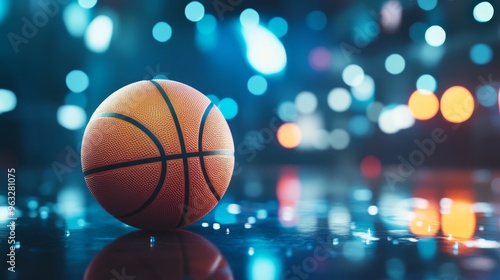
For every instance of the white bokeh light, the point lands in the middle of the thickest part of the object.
(339, 99)
(306, 102)
(435, 36)
(483, 12)
(353, 75)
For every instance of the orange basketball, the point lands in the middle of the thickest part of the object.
(157, 154)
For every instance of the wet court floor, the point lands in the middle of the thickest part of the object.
(279, 223)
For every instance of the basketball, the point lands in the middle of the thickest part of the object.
(176, 254)
(157, 154)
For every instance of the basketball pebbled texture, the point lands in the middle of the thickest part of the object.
(157, 154)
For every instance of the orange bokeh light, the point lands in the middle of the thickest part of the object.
(457, 104)
(423, 104)
(459, 221)
(425, 221)
(289, 135)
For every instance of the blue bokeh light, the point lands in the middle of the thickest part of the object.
(87, 4)
(77, 81)
(249, 18)
(278, 26)
(257, 85)
(427, 5)
(287, 111)
(395, 64)
(76, 19)
(4, 9)
(206, 42)
(71, 117)
(487, 96)
(228, 107)
(481, 54)
(162, 31)
(427, 82)
(194, 11)
(8, 100)
(214, 99)
(207, 24)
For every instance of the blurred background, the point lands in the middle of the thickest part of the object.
(341, 73)
(354, 95)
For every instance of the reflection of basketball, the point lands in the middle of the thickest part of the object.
(157, 154)
(177, 254)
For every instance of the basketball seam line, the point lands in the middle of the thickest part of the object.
(163, 163)
(119, 165)
(183, 149)
(200, 150)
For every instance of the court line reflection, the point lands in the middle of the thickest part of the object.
(177, 254)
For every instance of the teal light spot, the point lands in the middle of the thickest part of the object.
(395, 64)
(481, 54)
(213, 98)
(487, 96)
(427, 82)
(207, 24)
(8, 100)
(76, 19)
(194, 11)
(228, 107)
(162, 32)
(287, 111)
(249, 18)
(257, 85)
(71, 117)
(4, 9)
(278, 26)
(222, 216)
(427, 5)
(77, 81)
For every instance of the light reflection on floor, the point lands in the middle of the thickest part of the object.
(281, 223)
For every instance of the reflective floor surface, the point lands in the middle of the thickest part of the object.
(278, 223)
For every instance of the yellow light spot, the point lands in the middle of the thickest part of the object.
(457, 104)
(289, 135)
(460, 221)
(425, 222)
(423, 104)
